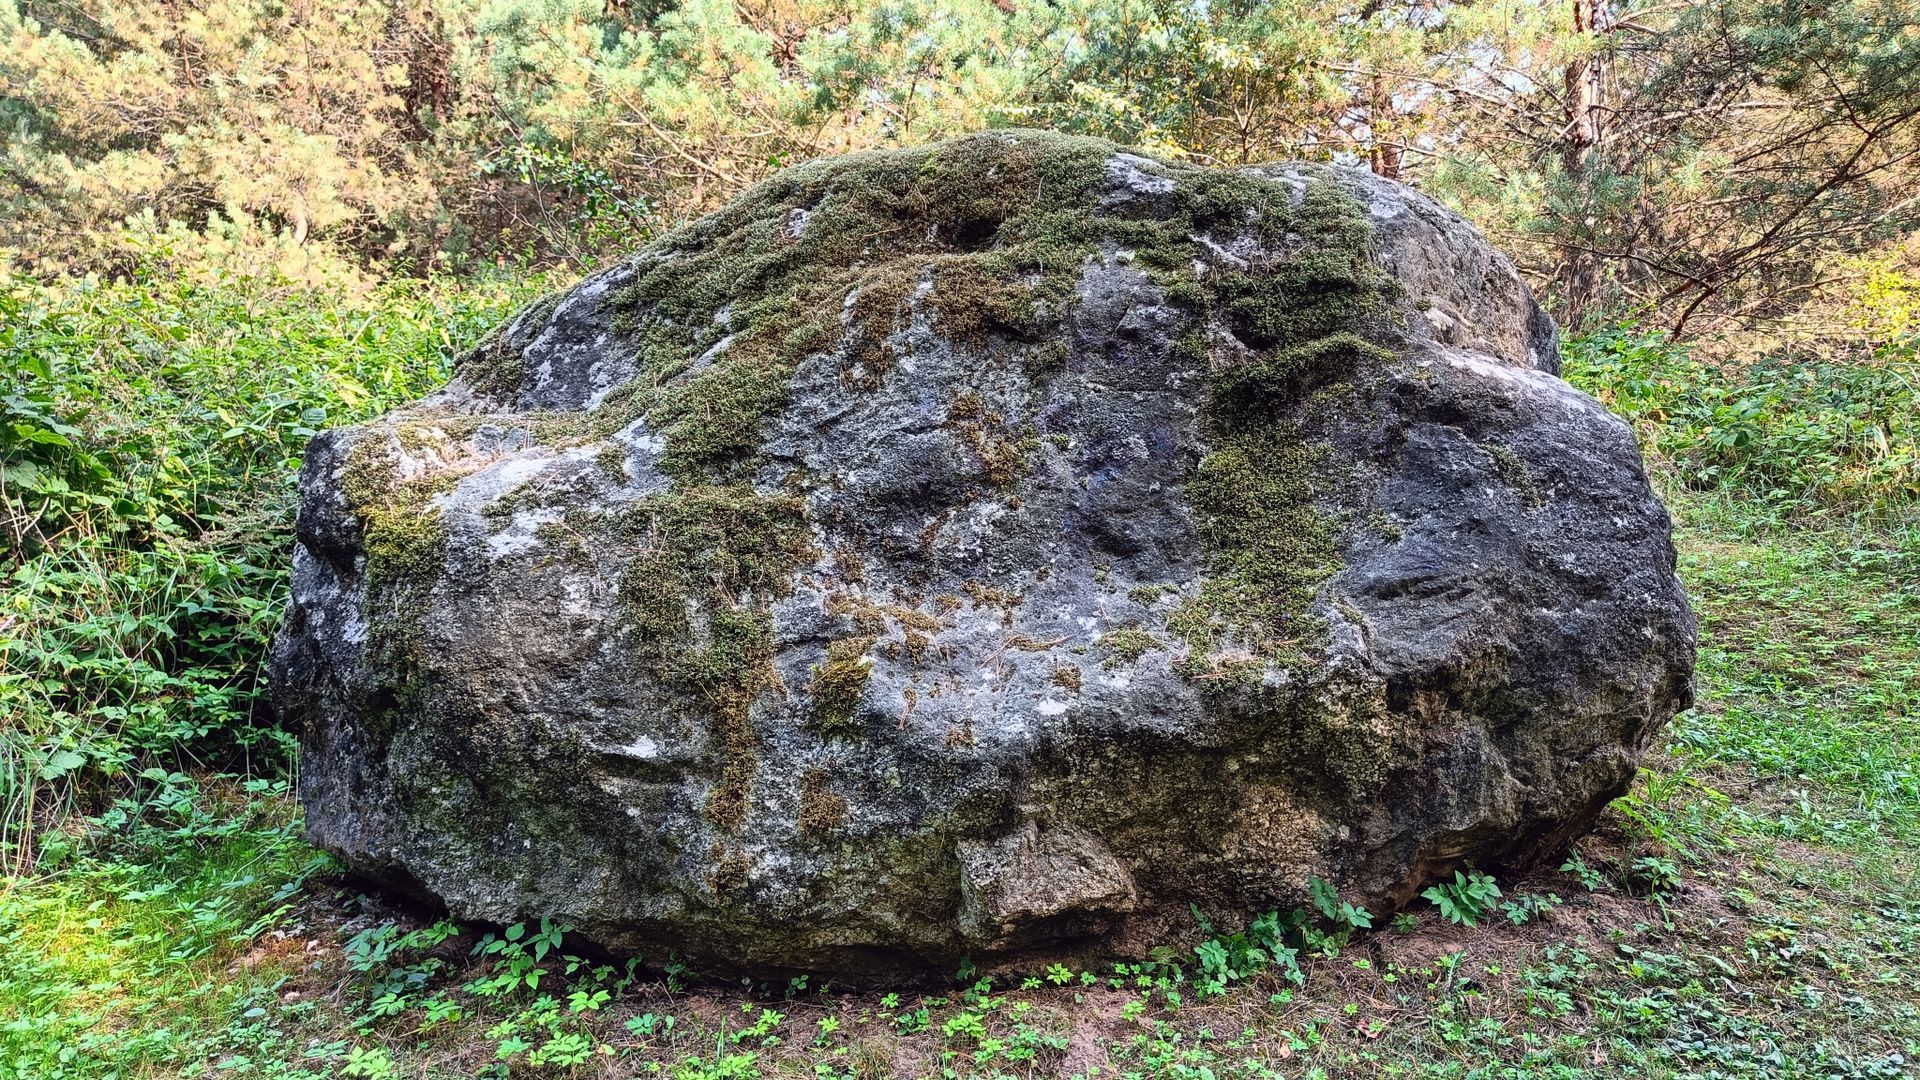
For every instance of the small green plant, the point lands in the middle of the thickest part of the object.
(1230, 958)
(1344, 916)
(911, 1021)
(724, 1066)
(1526, 907)
(369, 1063)
(1654, 874)
(1465, 900)
(646, 1025)
(1576, 865)
(518, 957)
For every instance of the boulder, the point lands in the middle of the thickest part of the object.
(1000, 549)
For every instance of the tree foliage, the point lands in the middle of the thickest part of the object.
(1720, 159)
(1744, 143)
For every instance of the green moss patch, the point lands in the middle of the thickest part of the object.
(1514, 472)
(727, 307)
(493, 368)
(403, 540)
(838, 683)
(1317, 320)
(1127, 646)
(1002, 454)
(821, 809)
(696, 596)
(401, 532)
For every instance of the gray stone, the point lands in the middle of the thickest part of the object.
(993, 550)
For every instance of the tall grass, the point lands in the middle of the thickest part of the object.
(150, 432)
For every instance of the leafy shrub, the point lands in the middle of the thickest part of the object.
(1467, 899)
(149, 438)
(1229, 958)
(1800, 433)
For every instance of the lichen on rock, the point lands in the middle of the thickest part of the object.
(998, 548)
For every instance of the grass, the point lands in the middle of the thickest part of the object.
(1752, 908)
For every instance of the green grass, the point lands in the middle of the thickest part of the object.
(1752, 908)
(1812, 657)
(122, 950)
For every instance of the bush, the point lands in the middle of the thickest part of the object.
(149, 439)
(1799, 433)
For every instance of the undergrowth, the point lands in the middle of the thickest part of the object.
(1787, 434)
(150, 435)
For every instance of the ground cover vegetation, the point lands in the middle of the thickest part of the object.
(229, 224)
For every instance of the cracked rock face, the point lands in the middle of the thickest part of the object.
(996, 549)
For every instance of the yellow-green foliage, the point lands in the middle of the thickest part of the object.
(450, 132)
(328, 140)
(150, 434)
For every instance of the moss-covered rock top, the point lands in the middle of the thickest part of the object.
(987, 238)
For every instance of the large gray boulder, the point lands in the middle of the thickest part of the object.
(995, 549)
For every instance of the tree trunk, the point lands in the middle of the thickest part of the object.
(1585, 87)
(1383, 158)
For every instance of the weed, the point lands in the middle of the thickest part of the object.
(1344, 916)
(1576, 865)
(1654, 874)
(1465, 900)
(1529, 906)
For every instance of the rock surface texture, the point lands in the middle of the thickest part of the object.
(995, 549)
